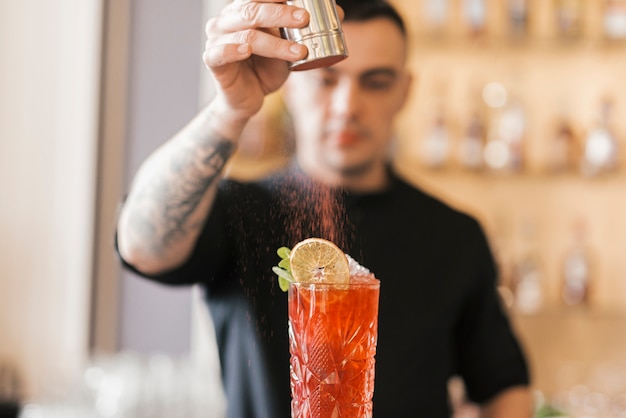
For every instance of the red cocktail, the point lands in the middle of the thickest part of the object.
(333, 331)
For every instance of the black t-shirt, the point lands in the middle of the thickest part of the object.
(439, 315)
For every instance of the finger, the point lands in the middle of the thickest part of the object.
(268, 44)
(217, 56)
(254, 14)
(240, 45)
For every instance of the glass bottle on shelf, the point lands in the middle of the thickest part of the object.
(614, 20)
(562, 150)
(528, 274)
(528, 286)
(576, 268)
(496, 153)
(475, 15)
(506, 130)
(472, 143)
(436, 14)
(436, 143)
(504, 151)
(513, 130)
(500, 242)
(600, 151)
(569, 18)
(518, 17)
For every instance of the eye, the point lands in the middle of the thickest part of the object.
(378, 83)
(327, 79)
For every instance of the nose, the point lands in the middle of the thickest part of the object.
(345, 99)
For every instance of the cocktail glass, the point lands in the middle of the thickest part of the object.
(333, 330)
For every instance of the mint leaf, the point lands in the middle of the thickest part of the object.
(283, 270)
(284, 263)
(283, 284)
(284, 278)
(284, 252)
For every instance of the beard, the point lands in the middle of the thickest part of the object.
(356, 170)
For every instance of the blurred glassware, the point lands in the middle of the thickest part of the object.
(569, 18)
(132, 385)
(475, 13)
(518, 18)
(614, 20)
(601, 149)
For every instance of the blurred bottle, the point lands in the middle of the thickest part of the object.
(496, 153)
(472, 144)
(506, 129)
(475, 15)
(569, 18)
(600, 151)
(436, 13)
(614, 20)
(504, 151)
(500, 243)
(436, 144)
(518, 17)
(528, 285)
(576, 269)
(563, 148)
(513, 130)
(528, 291)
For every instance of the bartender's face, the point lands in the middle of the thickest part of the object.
(343, 115)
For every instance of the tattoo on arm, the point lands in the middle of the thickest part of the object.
(199, 169)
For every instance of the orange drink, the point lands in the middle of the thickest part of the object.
(333, 330)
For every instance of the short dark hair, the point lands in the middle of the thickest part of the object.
(362, 10)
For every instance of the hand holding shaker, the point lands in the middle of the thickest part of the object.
(323, 36)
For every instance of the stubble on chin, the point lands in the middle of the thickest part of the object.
(357, 170)
(348, 171)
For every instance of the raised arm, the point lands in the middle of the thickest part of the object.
(174, 188)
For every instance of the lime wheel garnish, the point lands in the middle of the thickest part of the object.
(316, 260)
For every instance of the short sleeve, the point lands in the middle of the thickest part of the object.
(491, 358)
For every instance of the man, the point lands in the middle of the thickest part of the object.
(183, 223)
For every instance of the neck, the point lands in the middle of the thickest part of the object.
(368, 179)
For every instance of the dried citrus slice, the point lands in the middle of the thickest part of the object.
(316, 260)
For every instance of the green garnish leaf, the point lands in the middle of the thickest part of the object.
(283, 270)
(284, 263)
(284, 278)
(283, 284)
(284, 252)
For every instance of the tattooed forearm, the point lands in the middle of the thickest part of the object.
(174, 190)
(198, 169)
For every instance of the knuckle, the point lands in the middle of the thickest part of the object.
(206, 59)
(213, 57)
(277, 44)
(247, 36)
(210, 26)
(250, 12)
(282, 13)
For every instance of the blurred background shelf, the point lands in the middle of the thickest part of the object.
(549, 74)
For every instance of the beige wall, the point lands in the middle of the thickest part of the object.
(49, 81)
